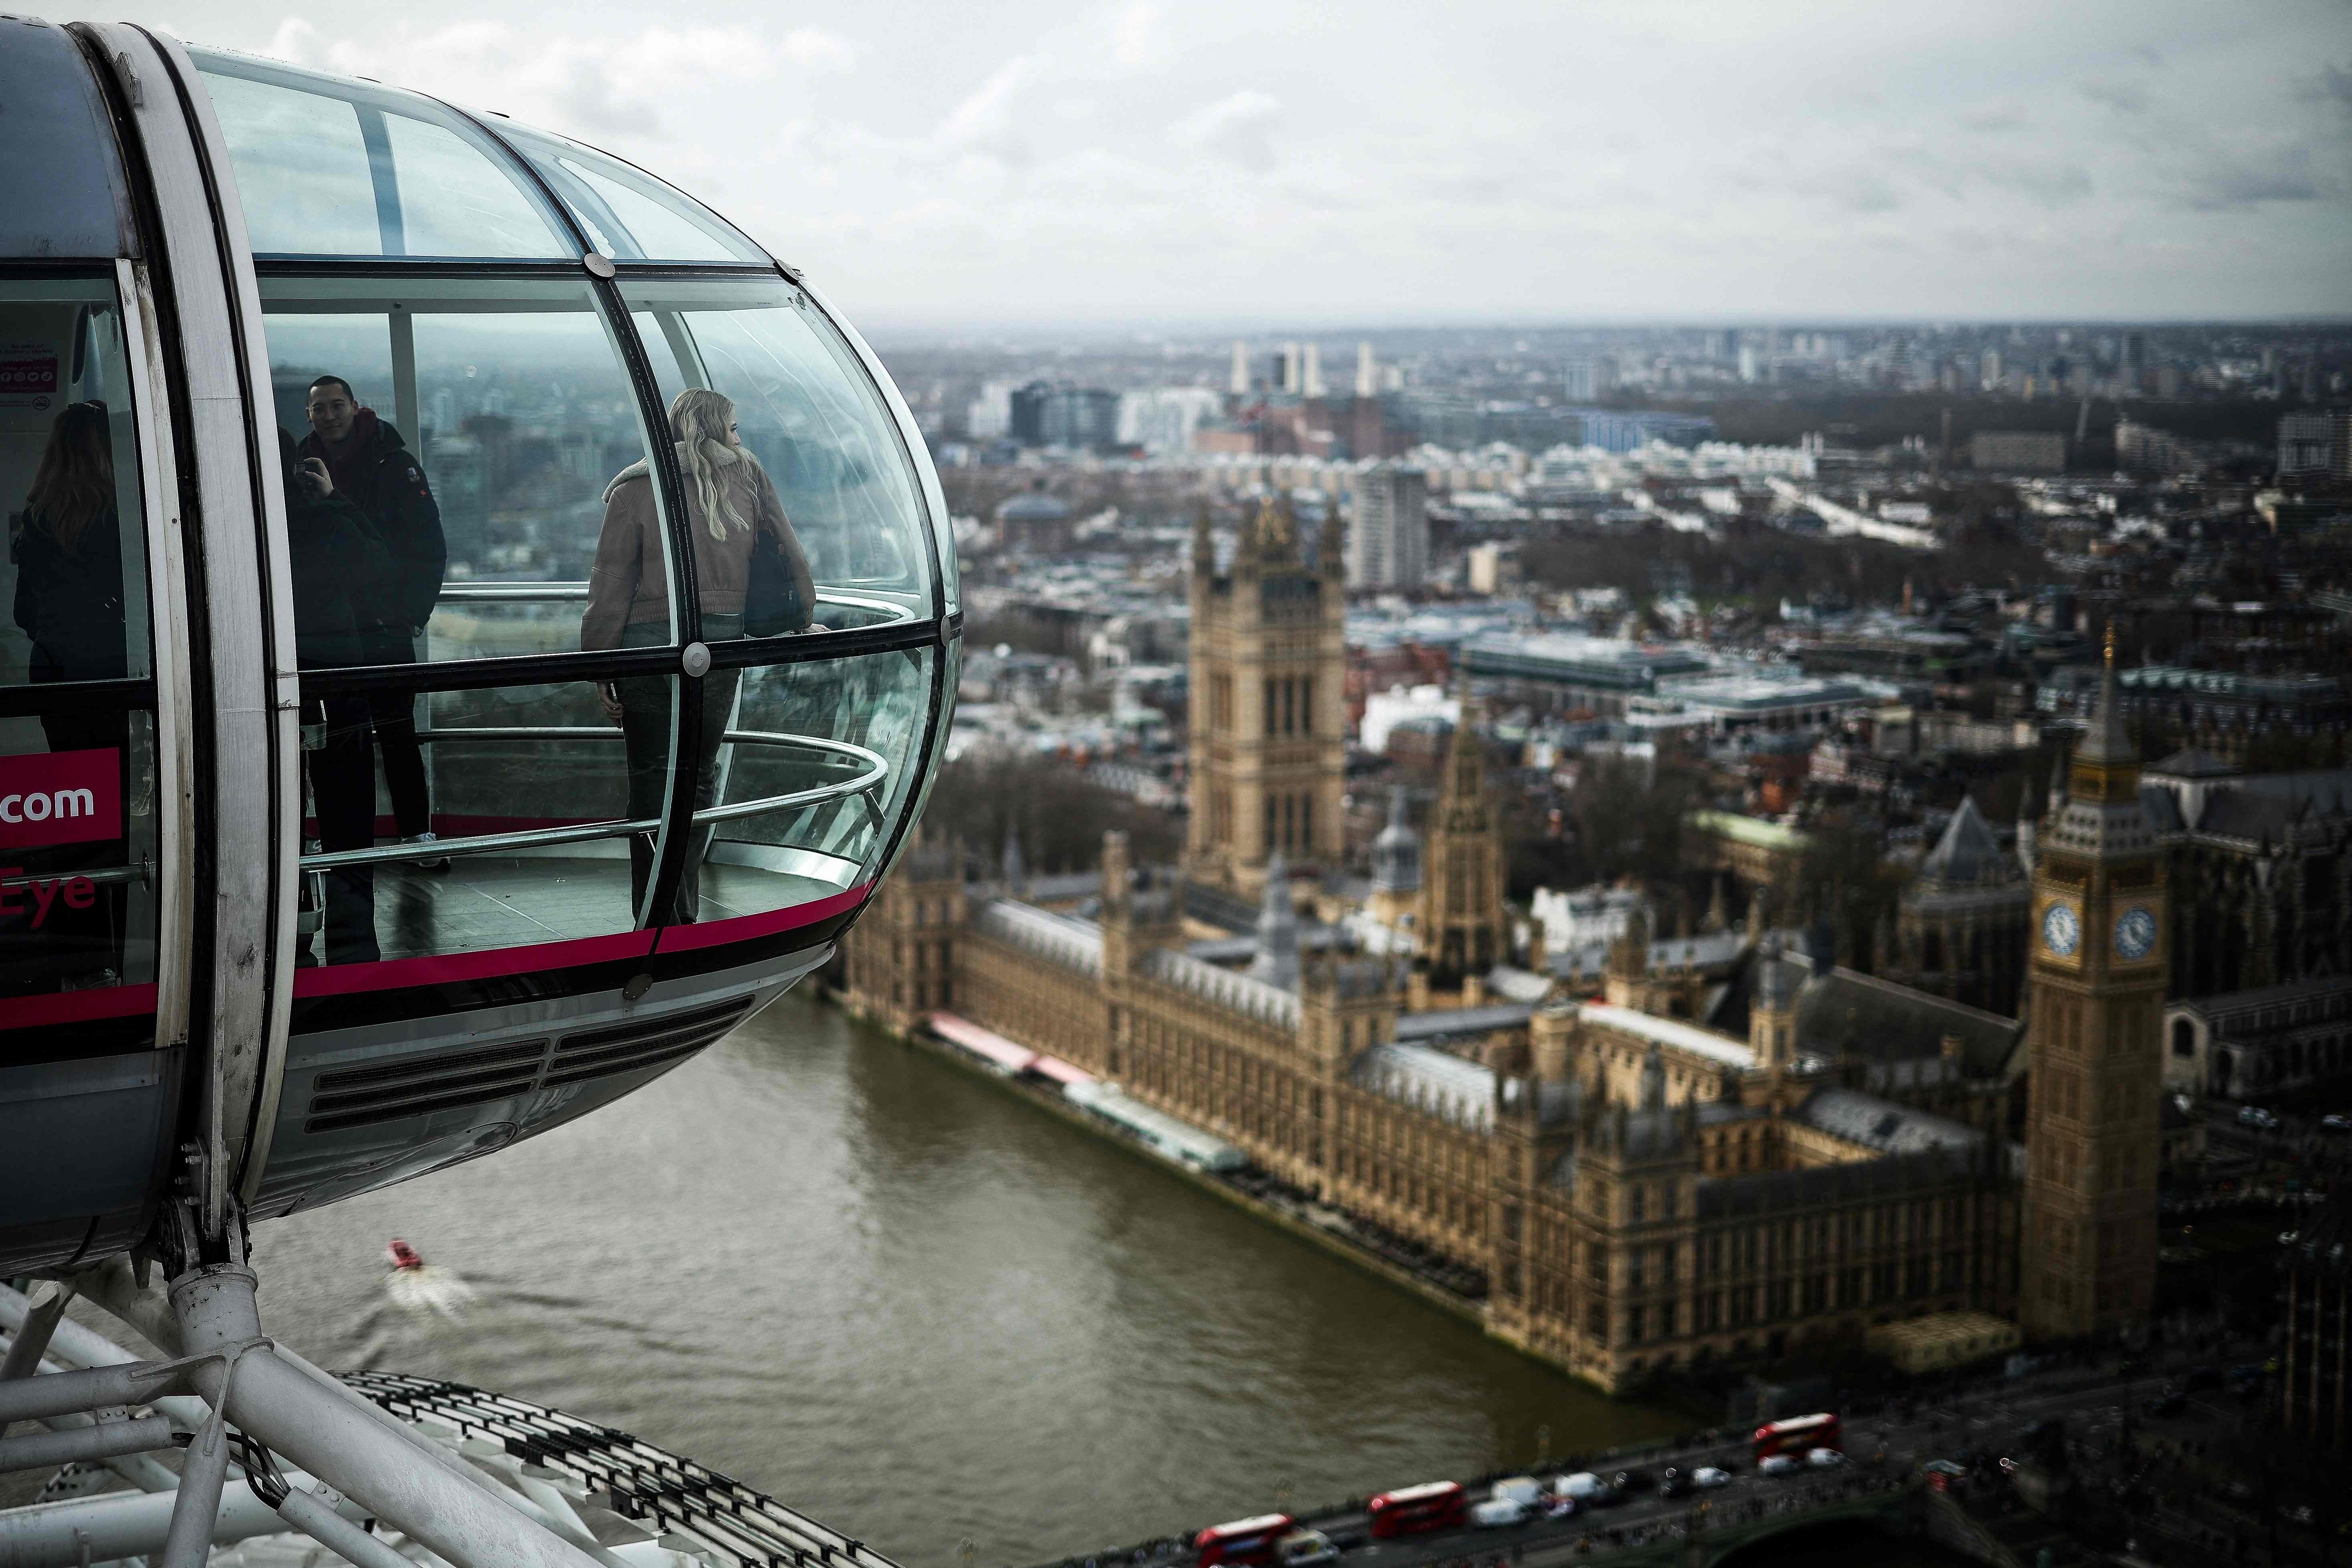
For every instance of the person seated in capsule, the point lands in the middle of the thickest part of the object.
(733, 514)
(373, 469)
(70, 603)
(341, 575)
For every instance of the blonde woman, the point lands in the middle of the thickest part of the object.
(730, 503)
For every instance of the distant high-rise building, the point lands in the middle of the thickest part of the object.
(1368, 372)
(1388, 544)
(1310, 374)
(1239, 385)
(1293, 370)
(1163, 420)
(2314, 442)
(1045, 415)
(1748, 368)
(1586, 380)
(989, 417)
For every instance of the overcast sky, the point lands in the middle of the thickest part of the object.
(1169, 162)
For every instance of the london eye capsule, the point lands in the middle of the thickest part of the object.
(481, 627)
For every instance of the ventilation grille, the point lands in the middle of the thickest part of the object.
(392, 1091)
(353, 1096)
(625, 1047)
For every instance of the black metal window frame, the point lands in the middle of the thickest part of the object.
(604, 276)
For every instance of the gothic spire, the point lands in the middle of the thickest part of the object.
(2107, 740)
(1277, 930)
(1015, 869)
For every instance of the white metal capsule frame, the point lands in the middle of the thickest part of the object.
(261, 646)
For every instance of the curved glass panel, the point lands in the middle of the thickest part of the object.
(849, 728)
(547, 811)
(491, 433)
(77, 825)
(61, 187)
(326, 168)
(809, 414)
(941, 722)
(629, 214)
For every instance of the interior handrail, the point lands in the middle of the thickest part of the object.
(875, 770)
(572, 592)
(143, 873)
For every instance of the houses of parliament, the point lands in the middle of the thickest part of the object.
(1719, 1146)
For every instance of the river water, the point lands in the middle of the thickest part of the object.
(905, 1302)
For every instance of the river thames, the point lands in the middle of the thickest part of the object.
(905, 1302)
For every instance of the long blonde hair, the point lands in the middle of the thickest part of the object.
(700, 417)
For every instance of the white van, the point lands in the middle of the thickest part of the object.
(1499, 1513)
(1581, 1487)
(1523, 1490)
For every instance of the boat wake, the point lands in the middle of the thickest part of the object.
(420, 1288)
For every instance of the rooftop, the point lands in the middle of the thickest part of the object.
(1448, 1023)
(1671, 1033)
(1073, 943)
(1461, 1092)
(1882, 1125)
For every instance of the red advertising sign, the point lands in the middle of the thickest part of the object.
(28, 375)
(60, 797)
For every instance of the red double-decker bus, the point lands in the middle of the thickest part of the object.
(1245, 1541)
(1409, 1511)
(1799, 1434)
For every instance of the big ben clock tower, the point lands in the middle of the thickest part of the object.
(2095, 1032)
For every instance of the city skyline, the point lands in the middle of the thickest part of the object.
(1128, 162)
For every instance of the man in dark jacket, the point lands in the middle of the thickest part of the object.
(339, 570)
(373, 469)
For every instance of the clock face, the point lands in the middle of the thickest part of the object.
(2135, 933)
(2062, 930)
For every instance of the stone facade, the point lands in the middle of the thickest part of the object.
(1638, 1191)
(1268, 727)
(2096, 1026)
(1960, 923)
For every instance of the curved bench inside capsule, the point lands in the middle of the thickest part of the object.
(225, 969)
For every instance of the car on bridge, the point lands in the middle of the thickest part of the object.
(1706, 1477)
(1824, 1460)
(1500, 1513)
(1305, 1549)
(1779, 1465)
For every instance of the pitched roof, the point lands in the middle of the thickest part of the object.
(1460, 1091)
(1882, 1125)
(1671, 1033)
(1968, 854)
(1073, 943)
(1450, 1023)
(1236, 991)
(2188, 762)
(1862, 1017)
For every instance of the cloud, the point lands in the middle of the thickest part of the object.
(568, 82)
(984, 122)
(2129, 97)
(2332, 85)
(1237, 129)
(1994, 117)
(2050, 181)
(2223, 180)
(1135, 35)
